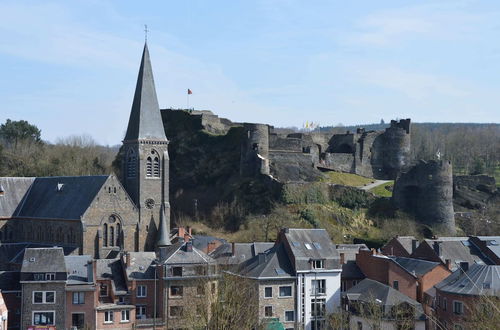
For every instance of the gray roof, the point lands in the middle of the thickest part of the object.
(406, 242)
(456, 249)
(177, 254)
(14, 252)
(478, 279)
(44, 260)
(492, 243)
(145, 121)
(141, 265)
(12, 191)
(350, 250)
(415, 266)
(201, 241)
(370, 291)
(80, 269)
(272, 263)
(45, 201)
(9, 281)
(307, 244)
(243, 251)
(111, 269)
(163, 238)
(350, 270)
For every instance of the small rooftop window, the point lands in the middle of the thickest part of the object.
(465, 243)
(296, 244)
(60, 186)
(308, 246)
(279, 271)
(317, 245)
(486, 286)
(494, 243)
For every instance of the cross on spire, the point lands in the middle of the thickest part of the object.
(146, 32)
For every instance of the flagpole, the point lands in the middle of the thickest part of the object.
(187, 98)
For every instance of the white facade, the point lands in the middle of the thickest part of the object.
(306, 295)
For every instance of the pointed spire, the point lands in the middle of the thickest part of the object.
(145, 119)
(163, 234)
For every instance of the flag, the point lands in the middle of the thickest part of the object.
(189, 92)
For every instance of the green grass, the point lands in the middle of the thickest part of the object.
(347, 179)
(381, 191)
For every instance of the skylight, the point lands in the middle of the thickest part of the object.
(279, 271)
(308, 246)
(317, 245)
(296, 244)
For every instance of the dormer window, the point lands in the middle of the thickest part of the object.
(318, 264)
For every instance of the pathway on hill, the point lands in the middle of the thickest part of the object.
(373, 185)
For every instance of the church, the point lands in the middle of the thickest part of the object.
(100, 215)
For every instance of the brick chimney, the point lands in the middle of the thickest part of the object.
(233, 249)
(448, 264)
(437, 248)
(187, 238)
(127, 259)
(414, 245)
(342, 258)
(180, 232)
(210, 247)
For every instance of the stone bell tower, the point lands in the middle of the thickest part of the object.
(145, 160)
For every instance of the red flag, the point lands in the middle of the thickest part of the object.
(189, 92)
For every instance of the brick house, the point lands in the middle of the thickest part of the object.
(400, 246)
(459, 294)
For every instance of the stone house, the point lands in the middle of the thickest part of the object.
(458, 296)
(374, 305)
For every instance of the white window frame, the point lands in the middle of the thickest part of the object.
(268, 287)
(285, 286)
(35, 312)
(79, 294)
(44, 298)
(50, 276)
(284, 316)
(142, 291)
(109, 320)
(318, 264)
(314, 285)
(142, 310)
(125, 312)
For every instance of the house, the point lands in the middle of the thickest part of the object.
(374, 305)
(316, 264)
(351, 274)
(449, 251)
(489, 247)
(468, 289)
(11, 292)
(400, 246)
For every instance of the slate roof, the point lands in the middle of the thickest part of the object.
(350, 250)
(111, 269)
(176, 254)
(478, 279)
(80, 269)
(44, 260)
(406, 242)
(456, 249)
(14, 252)
(243, 251)
(9, 281)
(45, 201)
(307, 244)
(274, 263)
(201, 241)
(369, 291)
(350, 270)
(492, 243)
(141, 265)
(12, 191)
(415, 266)
(145, 121)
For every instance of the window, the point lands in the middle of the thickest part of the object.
(317, 245)
(200, 290)
(43, 318)
(156, 167)
(125, 316)
(268, 311)
(105, 235)
(458, 307)
(111, 235)
(118, 232)
(318, 287)
(360, 325)
(445, 304)
(318, 264)
(39, 277)
(149, 167)
(176, 291)
(44, 297)
(177, 271)
(343, 286)
(268, 292)
(140, 312)
(108, 317)
(103, 290)
(308, 246)
(50, 276)
(141, 291)
(131, 163)
(213, 287)
(285, 291)
(289, 316)
(78, 298)
(78, 320)
(176, 311)
(318, 307)
(395, 285)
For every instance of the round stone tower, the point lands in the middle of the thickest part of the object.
(255, 150)
(426, 190)
(396, 148)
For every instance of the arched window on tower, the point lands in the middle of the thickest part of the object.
(105, 235)
(111, 236)
(118, 234)
(131, 164)
(156, 167)
(149, 167)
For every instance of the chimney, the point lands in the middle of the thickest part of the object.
(437, 248)
(414, 245)
(180, 232)
(90, 271)
(210, 247)
(127, 259)
(464, 266)
(342, 258)
(448, 264)
(189, 246)
(233, 249)
(262, 258)
(189, 230)
(186, 237)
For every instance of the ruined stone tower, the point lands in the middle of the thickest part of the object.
(426, 190)
(146, 161)
(255, 150)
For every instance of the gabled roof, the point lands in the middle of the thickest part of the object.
(80, 269)
(415, 266)
(12, 191)
(44, 260)
(14, 252)
(141, 265)
(243, 251)
(111, 269)
(477, 280)
(456, 249)
(60, 197)
(177, 254)
(370, 291)
(145, 121)
(350, 270)
(404, 241)
(273, 263)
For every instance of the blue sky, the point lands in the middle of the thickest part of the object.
(70, 66)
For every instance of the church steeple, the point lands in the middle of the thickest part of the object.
(145, 119)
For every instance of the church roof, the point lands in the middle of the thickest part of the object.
(145, 120)
(12, 191)
(60, 197)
